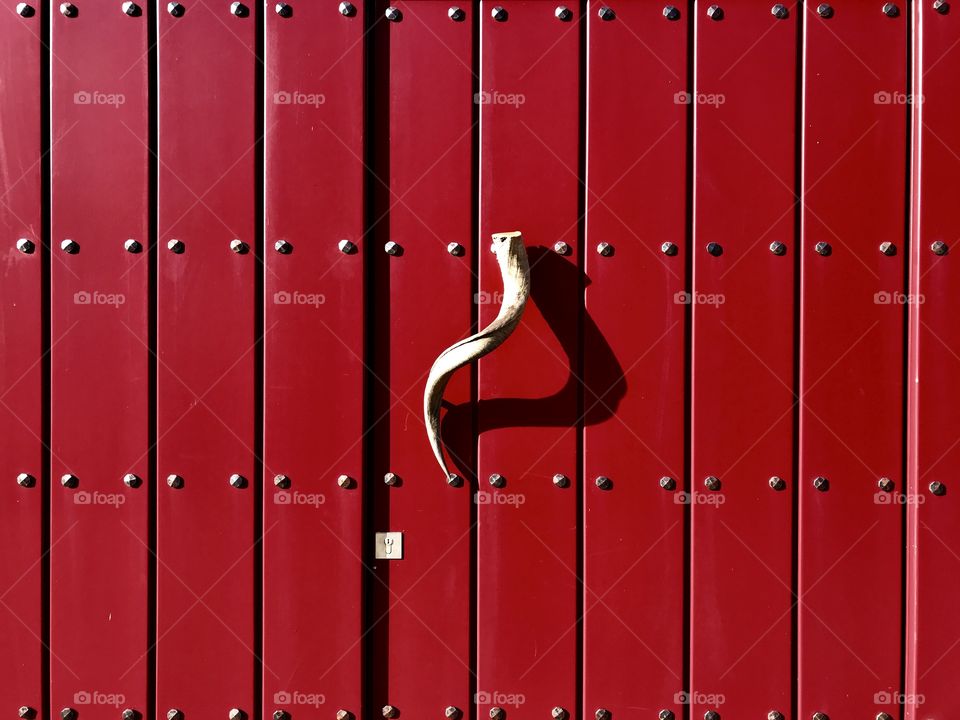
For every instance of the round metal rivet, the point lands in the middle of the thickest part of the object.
(131, 480)
(668, 483)
(455, 249)
(68, 10)
(497, 480)
(24, 10)
(500, 15)
(938, 488)
(601, 714)
(69, 481)
(605, 249)
(885, 484)
(389, 711)
(131, 8)
(129, 714)
(711, 482)
(25, 711)
(393, 248)
(778, 248)
(68, 713)
(235, 714)
(344, 715)
(941, 6)
(132, 246)
(820, 716)
(888, 248)
(238, 246)
(345, 481)
(25, 246)
(711, 715)
(451, 712)
(606, 13)
(669, 248)
(176, 246)
(393, 14)
(391, 479)
(558, 713)
(666, 715)
(824, 10)
(939, 247)
(238, 481)
(497, 713)
(174, 714)
(281, 715)
(779, 11)
(821, 483)
(26, 480)
(347, 247)
(777, 483)
(281, 481)
(175, 481)
(561, 248)
(715, 249)
(823, 248)
(671, 13)
(454, 480)
(604, 483)
(774, 715)
(562, 13)
(560, 480)
(70, 246)
(456, 14)
(715, 12)
(347, 9)
(283, 10)
(283, 247)
(175, 9)
(890, 10)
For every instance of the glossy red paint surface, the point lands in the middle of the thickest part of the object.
(743, 389)
(314, 346)
(100, 360)
(634, 360)
(207, 354)
(851, 361)
(22, 309)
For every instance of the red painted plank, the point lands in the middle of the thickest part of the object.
(851, 361)
(21, 369)
(207, 336)
(422, 603)
(743, 360)
(529, 388)
(100, 360)
(314, 353)
(634, 365)
(933, 633)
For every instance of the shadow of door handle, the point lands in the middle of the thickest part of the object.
(515, 273)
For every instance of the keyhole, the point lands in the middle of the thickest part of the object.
(388, 542)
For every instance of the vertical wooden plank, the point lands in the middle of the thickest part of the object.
(422, 604)
(22, 308)
(744, 259)
(100, 360)
(851, 360)
(634, 359)
(529, 389)
(207, 347)
(314, 347)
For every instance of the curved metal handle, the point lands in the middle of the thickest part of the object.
(515, 273)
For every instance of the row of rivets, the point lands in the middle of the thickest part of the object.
(68, 9)
(557, 713)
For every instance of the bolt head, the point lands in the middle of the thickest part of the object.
(602, 714)
(890, 10)
(393, 15)
(391, 479)
(174, 714)
(131, 8)
(456, 14)
(711, 482)
(347, 9)
(25, 246)
(344, 715)
(606, 13)
(779, 11)
(885, 484)
(131, 480)
(345, 481)
(129, 714)
(454, 480)
(497, 713)
(562, 13)
(235, 714)
(283, 247)
(669, 248)
(392, 248)
(68, 713)
(883, 716)
(238, 481)
(500, 15)
(68, 10)
(824, 10)
(938, 488)
(671, 13)
(284, 11)
(69, 481)
(26, 480)
(715, 249)
(451, 712)
(778, 248)
(24, 10)
(175, 9)
(132, 246)
(558, 713)
(347, 247)
(823, 248)
(238, 246)
(25, 711)
(941, 6)
(455, 249)
(939, 247)
(281, 481)
(888, 248)
(605, 249)
(497, 480)
(175, 481)
(389, 711)
(666, 715)
(176, 246)
(603, 482)
(715, 12)
(774, 715)
(561, 480)
(777, 483)
(820, 716)
(281, 715)
(561, 248)
(821, 483)
(711, 715)
(668, 483)
(70, 246)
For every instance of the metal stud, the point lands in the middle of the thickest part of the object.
(281, 481)
(668, 483)
(25, 711)
(669, 248)
(941, 6)
(347, 247)
(715, 12)
(601, 714)
(603, 482)
(391, 479)
(176, 246)
(715, 249)
(68, 713)
(500, 15)
(26, 480)
(175, 481)
(132, 246)
(666, 715)
(497, 480)
(283, 247)
(25, 246)
(392, 248)
(69, 481)
(883, 716)
(455, 249)
(238, 246)
(605, 249)
(24, 10)
(129, 714)
(888, 248)
(393, 14)
(711, 482)
(823, 248)
(283, 10)
(939, 247)
(820, 716)
(454, 480)
(711, 715)
(344, 715)
(779, 11)
(562, 13)
(174, 714)
(821, 483)
(175, 9)
(558, 713)
(890, 9)
(68, 10)
(497, 713)
(824, 10)
(451, 712)
(774, 715)
(345, 481)
(456, 14)
(131, 8)
(885, 484)
(671, 13)
(777, 483)
(561, 480)
(131, 480)
(561, 248)
(606, 13)
(70, 246)
(281, 715)
(235, 714)
(938, 488)
(778, 248)
(238, 481)
(347, 9)
(389, 711)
